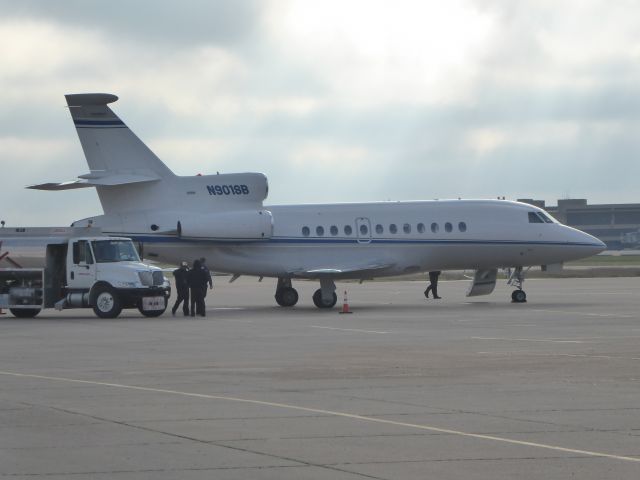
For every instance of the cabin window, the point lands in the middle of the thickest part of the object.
(393, 228)
(379, 229)
(334, 230)
(421, 228)
(348, 230)
(406, 228)
(448, 227)
(306, 231)
(435, 227)
(533, 218)
(462, 227)
(320, 231)
(364, 230)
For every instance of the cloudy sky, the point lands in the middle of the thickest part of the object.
(334, 100)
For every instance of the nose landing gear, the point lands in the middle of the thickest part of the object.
(518, 296)
(516, 279)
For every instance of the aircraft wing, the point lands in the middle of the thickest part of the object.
(337, 271)
(98, 179)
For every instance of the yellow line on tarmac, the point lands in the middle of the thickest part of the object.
(588, 453)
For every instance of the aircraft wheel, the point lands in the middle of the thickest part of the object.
(317, 300)
(24, 312)
(518, 296)
(287, 297)
(106, 303)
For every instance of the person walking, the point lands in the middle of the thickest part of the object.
(207, 273)
(197, 281)
(182, 288)
(433, 284)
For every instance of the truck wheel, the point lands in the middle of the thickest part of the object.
(153, 313)
(106, 303)
(24, 312)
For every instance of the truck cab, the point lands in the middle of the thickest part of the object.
(71, 271)
(110, 272)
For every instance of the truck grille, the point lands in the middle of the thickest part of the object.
(146, 278)
(158, 279)
(151, 279)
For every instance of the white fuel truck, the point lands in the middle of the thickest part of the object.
(76, 268)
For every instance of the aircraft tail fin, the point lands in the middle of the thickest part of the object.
(125, 172)
(108, 144)
(129, 178)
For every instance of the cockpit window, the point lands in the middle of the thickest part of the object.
(533, 218)
(545, 217)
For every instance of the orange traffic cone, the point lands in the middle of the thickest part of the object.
(345, 304)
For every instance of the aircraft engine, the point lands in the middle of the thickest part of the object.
(243, 225)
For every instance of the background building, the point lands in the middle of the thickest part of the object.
(617, 225)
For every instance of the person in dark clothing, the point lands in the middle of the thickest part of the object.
(205, 269)
(182, 287)
(197, 282)
(433, 284)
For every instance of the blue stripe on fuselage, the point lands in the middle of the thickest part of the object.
(344, 241)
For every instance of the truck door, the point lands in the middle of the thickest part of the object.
(81, 268)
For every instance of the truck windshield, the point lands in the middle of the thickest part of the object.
(107, 251)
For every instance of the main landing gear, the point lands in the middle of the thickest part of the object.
(286, 295)
(516, 279)
(324, 297)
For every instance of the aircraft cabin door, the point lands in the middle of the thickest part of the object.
(363, 230)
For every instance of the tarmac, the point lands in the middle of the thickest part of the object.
(404, 388)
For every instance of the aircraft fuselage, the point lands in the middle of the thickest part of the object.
(407, 237)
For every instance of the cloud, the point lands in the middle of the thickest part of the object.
(334, 101)
(376, 52)
(27, 161)
(166, 24)
(548, 44)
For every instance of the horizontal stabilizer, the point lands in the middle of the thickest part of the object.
(70, 185)
(98, 179)
(84, 99)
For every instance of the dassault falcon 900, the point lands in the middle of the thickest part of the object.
(223, 218)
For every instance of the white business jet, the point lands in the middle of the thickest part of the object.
(222, 218)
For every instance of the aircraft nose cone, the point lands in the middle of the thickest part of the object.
(594, 245)
(584, 245)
